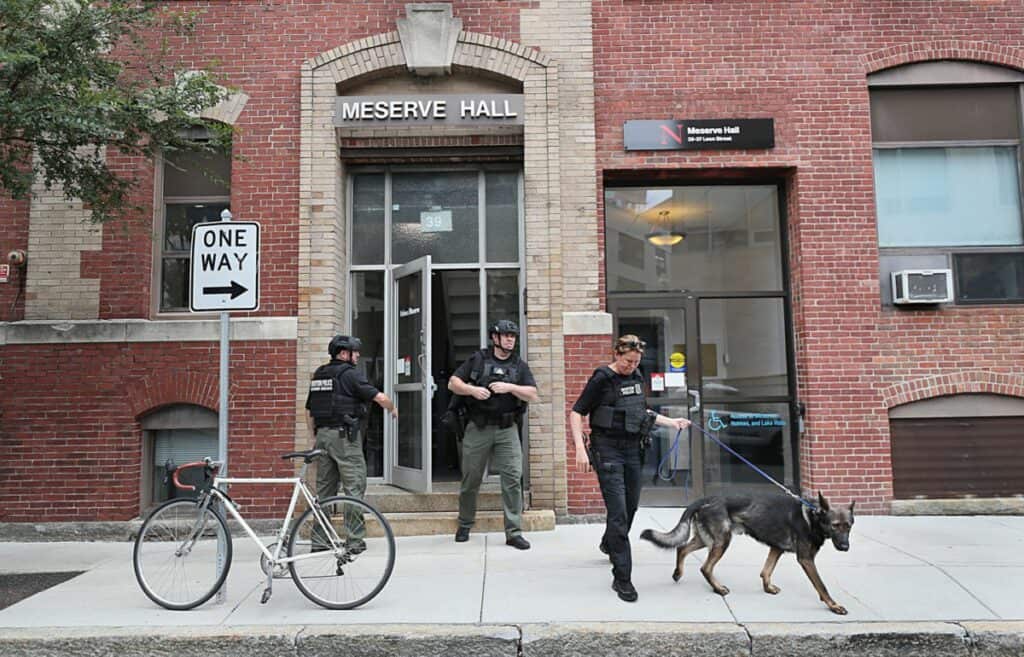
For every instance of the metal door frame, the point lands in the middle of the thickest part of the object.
(690, 303)
(404, 477)
(389, 170)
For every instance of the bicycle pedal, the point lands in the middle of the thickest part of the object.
(265, 596)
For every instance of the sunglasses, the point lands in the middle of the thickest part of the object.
(633, 344)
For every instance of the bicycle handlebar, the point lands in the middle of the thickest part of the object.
(211, 467)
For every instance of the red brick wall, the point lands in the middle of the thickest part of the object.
(67, 408)
(124, 266)
(258, 48)
(801, 62)
(71, 422)
(583, 354)
(13, 235)
(805, 65)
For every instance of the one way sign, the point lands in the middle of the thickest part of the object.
(225, 266)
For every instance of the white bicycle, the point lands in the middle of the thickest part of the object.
(340, 552)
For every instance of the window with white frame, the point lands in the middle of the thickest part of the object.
(195, 189)
(946, 140)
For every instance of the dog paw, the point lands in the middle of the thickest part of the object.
(676, 576)
(771, 588)
(722, 590)
(837, 609)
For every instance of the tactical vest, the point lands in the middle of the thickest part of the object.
(486, 370)
(330, 403)
(629, 402)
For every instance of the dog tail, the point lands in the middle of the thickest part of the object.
(679, 535)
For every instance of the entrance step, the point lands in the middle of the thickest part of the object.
(444, 498)
(437, 512)
(434, 523)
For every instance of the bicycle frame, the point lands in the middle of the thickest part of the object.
(298, 486)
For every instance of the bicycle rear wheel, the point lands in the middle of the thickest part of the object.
(175, 554)
(346, 563)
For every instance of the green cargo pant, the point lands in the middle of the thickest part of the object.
(478, 445)
(343, 464)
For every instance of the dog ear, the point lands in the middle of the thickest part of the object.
(852, 502)
(822, 504)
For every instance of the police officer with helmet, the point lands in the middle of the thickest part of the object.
(339, 394)
(620, 422)
(497, 385)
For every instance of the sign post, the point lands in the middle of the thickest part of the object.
(225, 276)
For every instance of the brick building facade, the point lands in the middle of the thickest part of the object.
(778, 299)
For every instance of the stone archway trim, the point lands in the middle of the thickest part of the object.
(954, 383)
(322, 257)
(383, 51)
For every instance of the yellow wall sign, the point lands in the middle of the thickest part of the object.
(677, 361)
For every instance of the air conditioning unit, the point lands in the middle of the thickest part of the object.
(922, 286)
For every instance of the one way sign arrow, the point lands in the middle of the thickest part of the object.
(235, 289)
(225, 266)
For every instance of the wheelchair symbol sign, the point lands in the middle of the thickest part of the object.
(715, 423)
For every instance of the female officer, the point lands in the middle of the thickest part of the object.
(619, 419)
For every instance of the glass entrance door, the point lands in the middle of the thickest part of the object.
(672, 468)
(411, 381)
(721, 362)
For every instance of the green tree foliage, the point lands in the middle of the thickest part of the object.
(79, 79)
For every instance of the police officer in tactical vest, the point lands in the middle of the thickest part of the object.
(336, 405)
(620, 424)
(497, 385)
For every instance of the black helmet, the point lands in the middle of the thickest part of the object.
(503, 326)
(340, 342)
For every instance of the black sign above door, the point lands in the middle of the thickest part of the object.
(698, 134)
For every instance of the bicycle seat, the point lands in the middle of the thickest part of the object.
(306, 456)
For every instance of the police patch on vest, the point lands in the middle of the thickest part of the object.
(498, 371)
(321, 385)
(632, 389)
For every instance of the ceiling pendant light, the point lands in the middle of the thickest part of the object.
(663, 233)
(662, 237)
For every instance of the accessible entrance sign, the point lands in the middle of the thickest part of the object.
(225, 266)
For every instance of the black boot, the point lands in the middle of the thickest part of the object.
(625, 590)
(518, 542)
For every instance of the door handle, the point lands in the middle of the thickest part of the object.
(696, 400)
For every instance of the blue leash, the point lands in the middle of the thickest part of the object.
(673, 453)
(740, 457)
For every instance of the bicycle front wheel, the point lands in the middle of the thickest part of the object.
(342, 558)
(175, 555)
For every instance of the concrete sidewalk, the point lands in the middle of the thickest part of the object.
(935, 584)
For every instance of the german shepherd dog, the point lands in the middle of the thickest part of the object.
(782, 523)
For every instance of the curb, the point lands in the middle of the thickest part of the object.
(104, 531)
(883, 639)
(49, 532)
